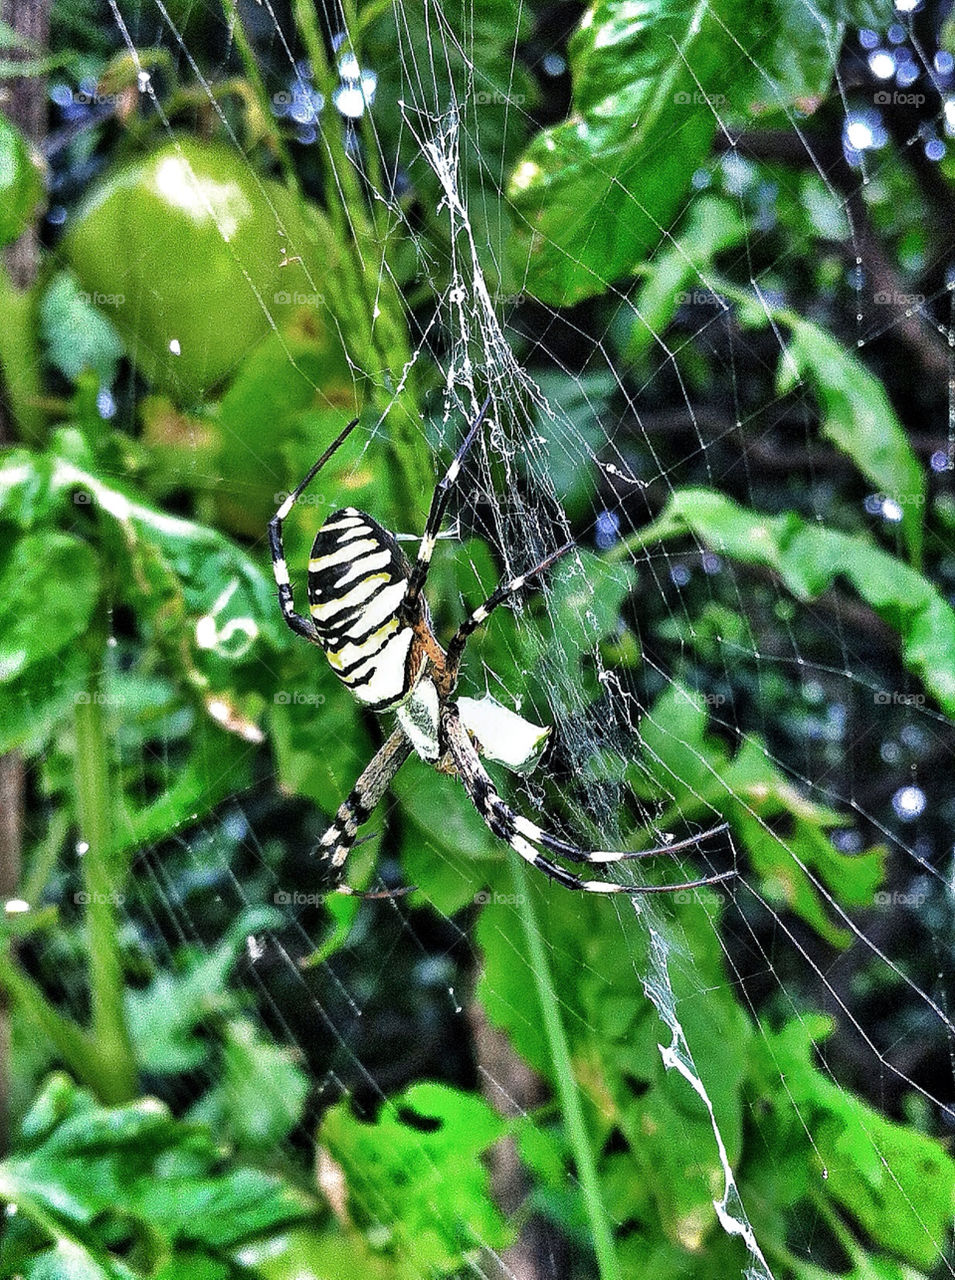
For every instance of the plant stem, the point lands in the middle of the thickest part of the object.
(233, 19)
(104, 880)
(567, 1088)
(19, 360)
(71, 1042)
(46, 854)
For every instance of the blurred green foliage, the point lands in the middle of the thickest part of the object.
(21, 185)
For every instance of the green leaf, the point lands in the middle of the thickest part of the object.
(320, 741)
(307, 1253)
(415, 1177)
(165, 1018)
(796, 55)
(451, 860)
(81, 1170)
(859, 419)
(208, 608)
(585, 609)
(542, 1150)
(341, 911)
(21, 187)
(594, 192)
(597, 193)
(259, 1096)
(558, 463)
(49, 584)
(186, 1266)
(69, 1260)
(49, 576)
(78, 337)
(217, 765)
(613, 1034)
(809, 557)
(696, 775)
(676, 270)
(858, 13)
(679, 1175)
(764, 796)
(278, 383)
(25, 497)
(678, 763)
(895, 1184)
(42, 699)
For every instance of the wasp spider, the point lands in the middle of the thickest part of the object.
(369, 615)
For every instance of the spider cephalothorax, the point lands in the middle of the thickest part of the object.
(368, 613)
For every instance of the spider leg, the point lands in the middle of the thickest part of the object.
(439, 503)
(300, 625)
(576, 853)
(338, 841)
(498, 596)
(519, 832)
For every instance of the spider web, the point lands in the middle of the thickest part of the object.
(644, 429)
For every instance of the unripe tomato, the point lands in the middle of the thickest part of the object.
(185, 251)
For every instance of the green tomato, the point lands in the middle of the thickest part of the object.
(185, 251)
(21, 187)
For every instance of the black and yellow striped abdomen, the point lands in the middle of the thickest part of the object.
(357, 579)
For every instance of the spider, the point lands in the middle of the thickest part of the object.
(370, 616)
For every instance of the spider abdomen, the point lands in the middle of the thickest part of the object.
(357, 581)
